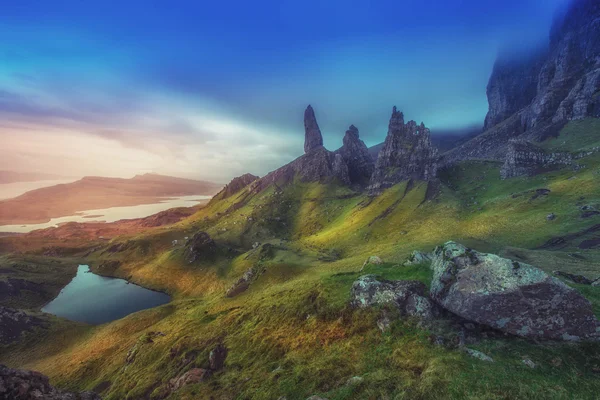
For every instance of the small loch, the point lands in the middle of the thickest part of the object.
(96, 299)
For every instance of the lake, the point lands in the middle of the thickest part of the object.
(112, 214)
(96, 299)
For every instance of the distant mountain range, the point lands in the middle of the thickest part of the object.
(89, 193)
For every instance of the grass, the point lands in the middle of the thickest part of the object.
(293, 333)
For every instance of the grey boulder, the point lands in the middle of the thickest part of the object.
(510, 296)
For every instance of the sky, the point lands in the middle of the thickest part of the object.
(214, 89)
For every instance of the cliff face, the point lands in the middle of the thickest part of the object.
(533, 98)
(407, 153)
(524, 158)
(355, 155)
(512, 87)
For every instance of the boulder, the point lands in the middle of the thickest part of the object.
(200, 247)
(217, 357)
(478, 354)
(409, 297)
(418, 257)
(194, 375)
(31, 385)
(375, 260)
(510, 296)
(14, 322)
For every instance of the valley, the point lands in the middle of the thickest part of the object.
(449, 268)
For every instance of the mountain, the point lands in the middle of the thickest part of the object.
(532, 98)
(92, 192)
(304, 283)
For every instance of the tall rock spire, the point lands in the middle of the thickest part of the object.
(313, 138)
(357, 157)
(406, 154)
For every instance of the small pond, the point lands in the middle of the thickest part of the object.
(96, 299)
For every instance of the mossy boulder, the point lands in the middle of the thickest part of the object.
(510, 296)
(409, 297)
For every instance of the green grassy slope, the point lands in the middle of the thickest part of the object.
(293, 334)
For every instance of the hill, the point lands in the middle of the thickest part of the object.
(265, 282)
(90, 193)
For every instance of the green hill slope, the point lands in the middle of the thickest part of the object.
(292, 333)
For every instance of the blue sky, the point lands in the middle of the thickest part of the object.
(216, 89)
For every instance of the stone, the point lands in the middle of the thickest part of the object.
(217, 357)
(13, 323)
(580, 279)
(200, 248)
(355, 381)
(589, 214)
(312, 134)
(375, 260)
(529, 363)
(523, 158)
(409, 297)
(418, 257)
(356, 156)
(510, 296)
(340, 169)
(243, 283)
(31, 385)
(478, 354)
(407, 154)
(551, 217)
(194, 375)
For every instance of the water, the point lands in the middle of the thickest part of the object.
(95, 299)
(111, 214)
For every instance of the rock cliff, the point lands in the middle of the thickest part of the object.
(525, 158)
(407, 153)
(533, 98)
(355, 155)
(313, 138)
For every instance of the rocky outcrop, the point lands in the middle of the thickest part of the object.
(407, 153)
(194, 375)
(407, 296)
(525, 159)
(14, 322)
(30, 385)
(312, 134)
(317, 164)
(357, 157)
(217, 356)
(418, 258)
(200, 247)
(236, 185)
(510, 296)
(340, 169)
(512, 86)
(567, 86)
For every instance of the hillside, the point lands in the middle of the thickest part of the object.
(91, 193)
(271, 284)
